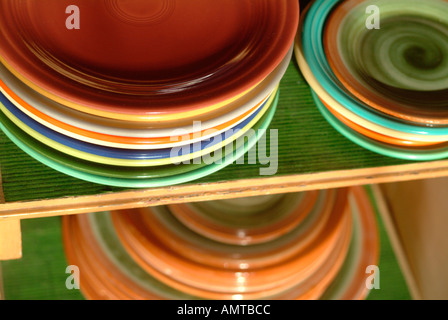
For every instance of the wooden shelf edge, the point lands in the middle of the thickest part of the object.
(2, 292)
(396, 241)
(10, 239)
(221, 190)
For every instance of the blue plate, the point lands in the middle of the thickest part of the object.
(127, 154)
(71, 166)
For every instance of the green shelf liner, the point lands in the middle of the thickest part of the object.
(392, 282)
(40, 273)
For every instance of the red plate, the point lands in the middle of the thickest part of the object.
(145, 57)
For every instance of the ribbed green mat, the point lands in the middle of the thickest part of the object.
(307, 144)
(392, 283)
(40, 274)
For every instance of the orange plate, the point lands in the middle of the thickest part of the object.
(208, 282)
(378, 136)
(422, 115)
(159, 60)
(197, 222)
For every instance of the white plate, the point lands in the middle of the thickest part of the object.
(112, 127)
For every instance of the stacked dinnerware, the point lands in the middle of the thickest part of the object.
(141, 93)
(310, 245)
(378, 71)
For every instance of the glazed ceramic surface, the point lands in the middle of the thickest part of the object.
(146, 61)
(364, 250)
(271, 279)
(246, 228)
(378, 136)
(400, 69)
(92, 242)
(103, 174)
(119, 133)
(123, 157)
(435, 152)
(312, 60)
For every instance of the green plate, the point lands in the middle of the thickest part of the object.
(129, 177)
(377, 147)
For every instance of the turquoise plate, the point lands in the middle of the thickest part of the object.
(132, 177)
(377, 147)
(315, 56)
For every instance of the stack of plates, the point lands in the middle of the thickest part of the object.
(385, 89)
(141, 86)
(311, 245)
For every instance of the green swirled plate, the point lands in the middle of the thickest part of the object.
(399, 68)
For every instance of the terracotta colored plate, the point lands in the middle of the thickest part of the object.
(316, 70)
(312, 287)
(118, 133)
(90, 242)
(426, 153)
(378, 136)
(349, 283)
(256, 284)
(202, 250)
(393, 129)
(364, 250)
(266, 225)
(131, 158)
(106, 175)
(146, 61)
(400, 69)
(240, 206)
(315, 285)
(84, 250)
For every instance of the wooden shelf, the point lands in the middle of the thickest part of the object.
(415, 220)
(311, 155)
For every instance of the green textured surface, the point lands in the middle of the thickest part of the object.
(306, 144)
(40, 274)
(392, 282)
